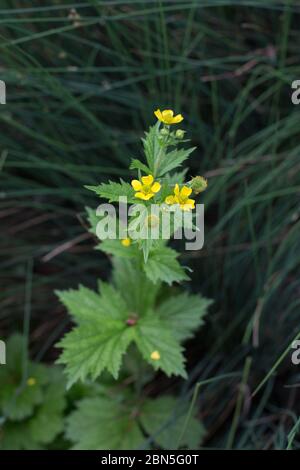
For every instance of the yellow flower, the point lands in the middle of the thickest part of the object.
(126, 242)
(155, 356)
(167, 116)
(181, 197)
(146, 188)
(31, 381)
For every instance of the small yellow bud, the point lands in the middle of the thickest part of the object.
(31, 381)
(198, 184)
(152, 220)
(126, 242)
(155, 356)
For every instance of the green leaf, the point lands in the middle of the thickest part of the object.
(162, 265)
(101, 338)
(87, 305)
(137, 290)
(15, 436)
(138, 165)
(152, 146)
(115, 248)
(103, 423)
(164, 418)
(153, 335)
(183, 313)
(115, 424)
(93, 219)
(113, 191)
(173, 159)
(47, 421)
(89, 349)
(17, 399)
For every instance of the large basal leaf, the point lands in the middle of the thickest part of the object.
(164, 419)
(104, 424)
(86, 305)
(153, 335)
(92, 348)
(183, 313)
(110, 423)
(139, 292)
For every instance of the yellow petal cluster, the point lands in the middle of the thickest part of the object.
(181, 197)
(146, 188)
(167, 116)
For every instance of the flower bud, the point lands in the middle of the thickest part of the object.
(164, 131)
(179, 134)
(198, 184)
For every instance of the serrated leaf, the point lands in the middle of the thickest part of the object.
(115, 248)
(153, 335)
(93, 219)
(173, 159)
(87, 305)
(162, 265)
(152, 146)
(110, 425)
(138, 165)
(47, 421)
(164, 418)
(183, 313)
(113, 191)
(89, 349)
(17, 399)
(15, 436)
(137, 290)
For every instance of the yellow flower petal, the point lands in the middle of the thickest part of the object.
(155, 356)
(170, 200)
(177, 119)
(140, 195)
(126, 242)
(185, 191)
(147, 180)
(188, 205)
(136, 184)
(158, 114)
(148, 196)
(176, 190)
(167, 115)
(144, 196)
(155, 187)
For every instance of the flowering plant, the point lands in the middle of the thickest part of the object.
(136, 325)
